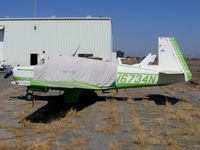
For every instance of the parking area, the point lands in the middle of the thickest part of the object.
(141, 118)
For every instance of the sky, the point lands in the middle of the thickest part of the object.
(136, 24)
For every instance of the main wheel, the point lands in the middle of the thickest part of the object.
(29, 96)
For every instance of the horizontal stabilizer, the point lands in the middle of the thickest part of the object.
(149, 59)
(165, 78)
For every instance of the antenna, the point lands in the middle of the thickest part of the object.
(76, 50)
(34, 8)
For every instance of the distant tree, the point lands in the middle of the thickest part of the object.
(120, 53)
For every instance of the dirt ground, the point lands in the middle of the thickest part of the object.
(142, 118)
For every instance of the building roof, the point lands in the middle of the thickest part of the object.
(56, 18)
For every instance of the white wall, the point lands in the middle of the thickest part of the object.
(55, 37)
(1, 44)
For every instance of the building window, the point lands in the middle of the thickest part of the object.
(85, 55)
(90, 56)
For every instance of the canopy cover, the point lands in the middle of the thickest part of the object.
(89, 71)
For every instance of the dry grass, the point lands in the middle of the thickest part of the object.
(139, 134)
(20, 115)
(20, 144)
(169, 107)
(155, 140)
(17, 145)
(27, 124)
(72, 113)
(113, 93)
(184, 99)
(129, 97)
(39, 145)
(69, 121)
(4, 146)
(172, 144)
(113, 122)
(140, 138)
(77, 142)
(56, 126)
(194, 129)
(188, 107)
(114, 146)
(168, 128)
(147, 138)
(129, 100)
(149, 104)
(159, 121)
(180, 115)
(185, 124)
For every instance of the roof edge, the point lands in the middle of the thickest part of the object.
(56, 18)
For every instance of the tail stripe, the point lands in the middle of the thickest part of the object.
(181, 58)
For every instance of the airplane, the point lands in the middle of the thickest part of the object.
(74, 75)
(2, 64)
(149, 59)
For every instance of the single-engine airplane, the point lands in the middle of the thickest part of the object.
(73, 74)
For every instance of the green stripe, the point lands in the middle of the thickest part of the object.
(61, 84)
(25, 69)
(71, 84)
(123, 85)
(22, 79)
(181, 58)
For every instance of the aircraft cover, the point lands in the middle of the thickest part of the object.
(89, 71)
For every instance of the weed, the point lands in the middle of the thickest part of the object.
(172, 144)
(114, 146)
(194, 129)
(20, 115)
(180, 115)
(112, 109)
(39, 145)
(4, 146)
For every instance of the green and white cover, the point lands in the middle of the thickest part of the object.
(74, 69)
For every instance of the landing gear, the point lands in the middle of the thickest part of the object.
(29, 97)
(71, 95)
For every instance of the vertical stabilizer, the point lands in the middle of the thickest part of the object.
(171, 58)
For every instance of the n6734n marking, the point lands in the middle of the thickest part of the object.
(131, 78)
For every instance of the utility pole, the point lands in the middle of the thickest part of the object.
(34, 8)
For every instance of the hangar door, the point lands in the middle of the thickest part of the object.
(1, 42)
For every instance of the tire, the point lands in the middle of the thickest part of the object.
(29, 97)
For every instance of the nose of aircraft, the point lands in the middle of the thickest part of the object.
(9, 72)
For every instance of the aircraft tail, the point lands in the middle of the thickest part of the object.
(171, 59)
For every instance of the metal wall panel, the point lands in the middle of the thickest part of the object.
(56, 37)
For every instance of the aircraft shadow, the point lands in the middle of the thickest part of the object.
(159, 99)
(56, 108)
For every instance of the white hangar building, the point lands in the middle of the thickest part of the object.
(24, 41)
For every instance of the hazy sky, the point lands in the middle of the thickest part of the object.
(136, 23)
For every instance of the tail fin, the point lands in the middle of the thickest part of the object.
(170, 57)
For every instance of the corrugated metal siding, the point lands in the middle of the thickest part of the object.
(56, 37)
